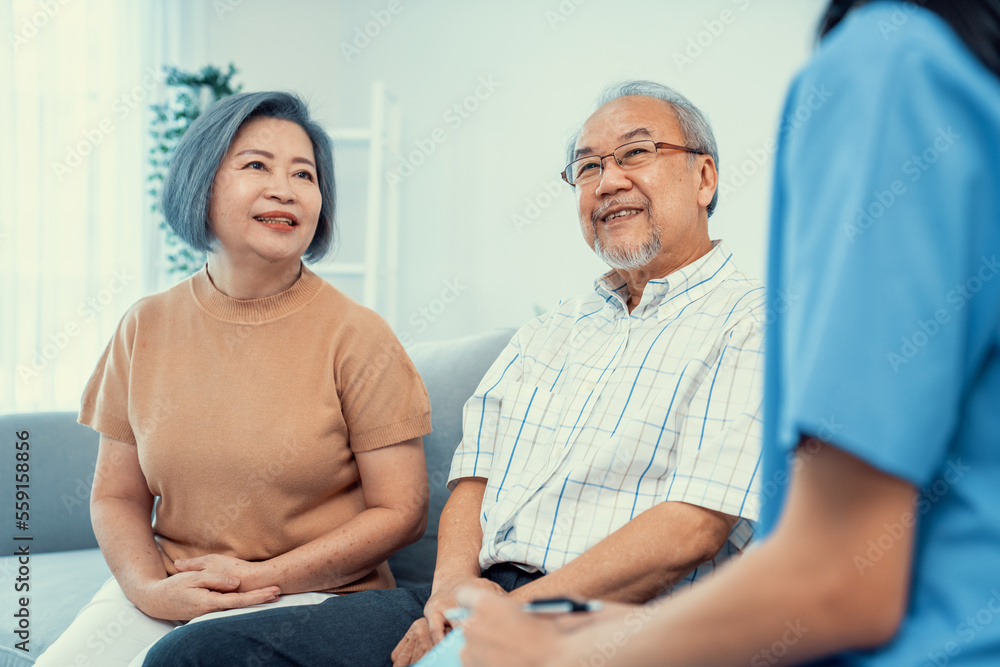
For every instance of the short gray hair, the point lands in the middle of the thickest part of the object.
(694, 124)
(187, 190)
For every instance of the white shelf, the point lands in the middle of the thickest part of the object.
(378, 271)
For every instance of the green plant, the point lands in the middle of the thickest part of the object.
(190, 94)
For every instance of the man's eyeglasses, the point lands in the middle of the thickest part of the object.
(628, 156)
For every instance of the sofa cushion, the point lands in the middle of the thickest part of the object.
(61, 584)
(451, 370)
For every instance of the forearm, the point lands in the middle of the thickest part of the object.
(339, 557)
(769, 604)
(644, 558)
(460, 535)
(124, 532)
(800, 593)
(394, 484)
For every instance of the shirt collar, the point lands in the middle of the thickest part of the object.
(671, 293)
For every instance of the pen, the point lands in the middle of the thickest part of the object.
(561, 606)
(541, 606)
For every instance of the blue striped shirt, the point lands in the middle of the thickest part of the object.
(592, 415)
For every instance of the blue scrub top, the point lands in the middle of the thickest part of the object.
(884, 297)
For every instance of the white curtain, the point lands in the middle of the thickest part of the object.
(77, 241)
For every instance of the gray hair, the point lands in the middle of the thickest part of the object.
(694, 124)
(187, 190)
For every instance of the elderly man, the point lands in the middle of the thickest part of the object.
(612, 449)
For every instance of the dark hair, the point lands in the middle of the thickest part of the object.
(187, 190)
(976, 22)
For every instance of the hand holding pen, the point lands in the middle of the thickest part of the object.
(550, 606)
(541, 628)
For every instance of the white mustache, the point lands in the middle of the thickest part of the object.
(627, 201)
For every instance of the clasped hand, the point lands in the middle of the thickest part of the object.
(203, 585)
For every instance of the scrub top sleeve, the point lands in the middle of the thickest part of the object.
(870, 195)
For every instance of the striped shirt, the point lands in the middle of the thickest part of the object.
(592, 415)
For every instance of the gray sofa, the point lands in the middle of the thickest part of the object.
(65, 568)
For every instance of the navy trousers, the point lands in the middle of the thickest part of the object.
(354, 630)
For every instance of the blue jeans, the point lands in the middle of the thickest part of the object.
(354, 630)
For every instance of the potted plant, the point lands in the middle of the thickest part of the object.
(190, 94)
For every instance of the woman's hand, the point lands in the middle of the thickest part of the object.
(187, 595)
(120, 507)
(249, 575)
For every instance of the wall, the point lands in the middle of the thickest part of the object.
(485, 219)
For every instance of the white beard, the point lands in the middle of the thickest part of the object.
(630, 257)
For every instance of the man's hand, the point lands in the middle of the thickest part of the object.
(246, 572)
(426, 632)
(490, 634)
(414, 645)
(187, 595)
(539, 640)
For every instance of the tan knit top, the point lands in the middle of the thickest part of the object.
(247, 413)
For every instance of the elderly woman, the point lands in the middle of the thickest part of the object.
(242, 408)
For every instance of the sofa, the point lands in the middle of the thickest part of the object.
(41, 592)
